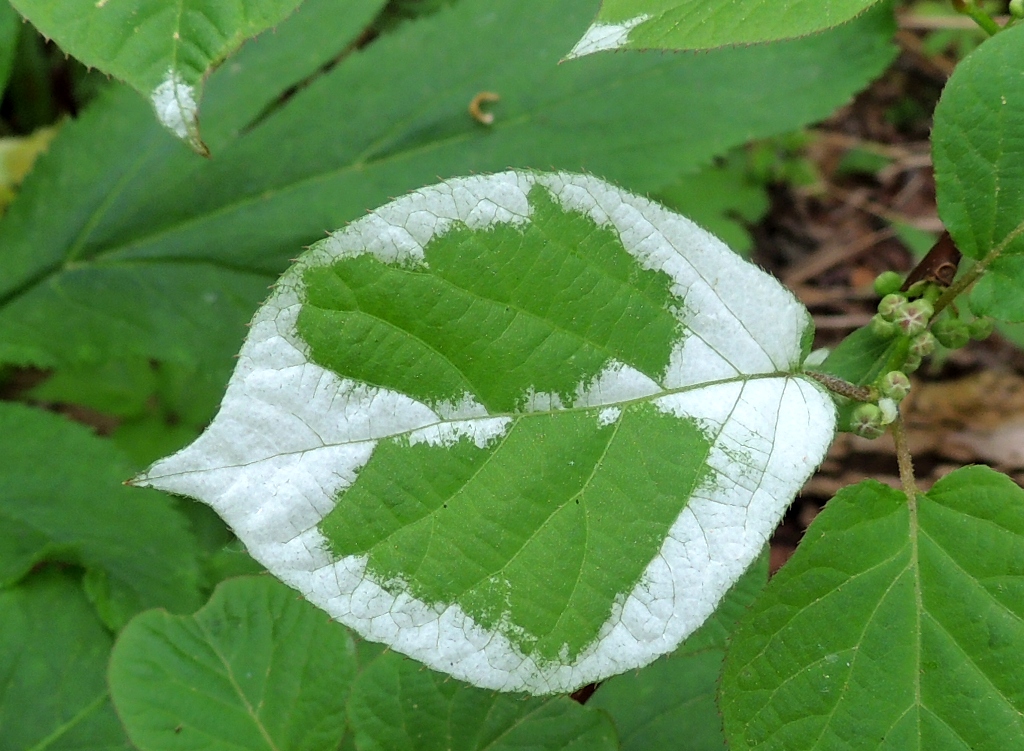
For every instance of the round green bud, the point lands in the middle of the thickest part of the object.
(887, 283)
(922, 345)
(951, 332)
(866, 421)
(913, 317)
(895, 385)
(882, 328)
(1017, 8)
(889, 306)
(913, 363)
(980, 328)
(932, 293)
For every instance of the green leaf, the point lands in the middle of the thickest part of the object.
(255, 668)
(397, 706)
(723, 199)
(121, 245)
(62, 498)
(978, 148)
(894, 626)
(704, 24)
(10, 28)
(53, 654)
(674, 697)
(163, 50)
(531, 416)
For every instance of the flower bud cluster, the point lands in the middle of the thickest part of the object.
(870, 420)
(909, 314)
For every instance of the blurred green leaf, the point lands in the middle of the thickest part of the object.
(62, 498)
(53, 656)
(895, 625)
(704, 24)
(723, 199)
(255, 668)
(121, 245)
(10, 27)
(397, 705)
(978, 146)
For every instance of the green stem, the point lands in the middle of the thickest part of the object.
(906, 463)
(980, 17)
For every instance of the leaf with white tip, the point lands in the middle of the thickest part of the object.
(526, 428)
(705, 24)
(162, 49)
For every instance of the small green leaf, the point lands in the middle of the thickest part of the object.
(531, 416)
(164, 50)
(674, 697)
(396, 705)
(978, 145)
(256, 668)
(704, 24)
(135, 546)
(53, 654)
(121, 245)
(894, 626)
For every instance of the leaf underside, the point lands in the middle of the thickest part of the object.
(526, 428)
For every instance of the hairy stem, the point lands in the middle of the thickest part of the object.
(906, 463)
(844, 388)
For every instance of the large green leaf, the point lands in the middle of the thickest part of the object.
(53, 654)
(396, 705)
(256, 668)
(527, 428)
(122, 246)
(895, 626)
(163, 49)
(978, 145)
(674, 697)
(62, 498)
(10, 26)
(704, 24)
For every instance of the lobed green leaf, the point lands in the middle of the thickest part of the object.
(700, 24)
(896, 625)
(62, 498)
(255, 668)
(396, 705)
(53, 654)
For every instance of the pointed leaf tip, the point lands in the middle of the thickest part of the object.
(527, 428)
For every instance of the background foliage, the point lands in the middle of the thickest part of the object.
(129, 267)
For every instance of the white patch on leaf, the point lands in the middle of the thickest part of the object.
(290, 435)
(605, 36)
(175, 105)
